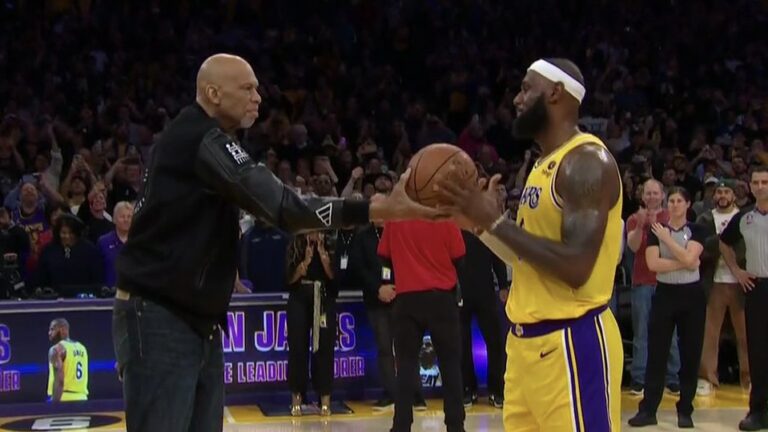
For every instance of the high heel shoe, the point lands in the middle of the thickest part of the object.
(325, 405)
(296, 405)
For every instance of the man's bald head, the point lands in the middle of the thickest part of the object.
(227, 89)
(653, 194)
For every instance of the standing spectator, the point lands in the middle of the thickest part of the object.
(111, 244)
(125, 180)
(724, 291)
(644, 286)
(70, 265)
(14, 246)
(311, 307)
(421, 260)
(481, 302)
(673, 253)
(97, 221)
(751, 226)
(378, 299)
(707, 201)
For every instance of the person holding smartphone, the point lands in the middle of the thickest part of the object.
(679, 303)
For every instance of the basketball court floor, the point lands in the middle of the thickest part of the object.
(719, 412)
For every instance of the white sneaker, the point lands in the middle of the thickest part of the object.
(703, 388)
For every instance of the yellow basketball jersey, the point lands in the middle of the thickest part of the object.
(536, 294)
(75, 372)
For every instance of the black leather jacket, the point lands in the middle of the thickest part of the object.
(182, 248)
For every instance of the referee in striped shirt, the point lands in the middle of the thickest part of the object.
(751, 225)
(679, 302)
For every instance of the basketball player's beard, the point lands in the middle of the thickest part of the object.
(532, 121)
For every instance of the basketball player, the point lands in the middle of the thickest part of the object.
(68, 365)
(564, 348)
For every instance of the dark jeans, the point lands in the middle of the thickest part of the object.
(675, 306)
(756, 314)
(300, 314)
(172, 377)
(436, 312)
(381, 319)
(486, 312)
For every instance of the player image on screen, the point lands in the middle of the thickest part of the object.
(428, 367)
(67, 365)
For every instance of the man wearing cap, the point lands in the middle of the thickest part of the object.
(706, 203)
(723, 287)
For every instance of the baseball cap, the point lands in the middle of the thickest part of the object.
(711, 180)
(726, 184)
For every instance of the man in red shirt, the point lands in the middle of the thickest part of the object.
(424, 256)
(643, 287)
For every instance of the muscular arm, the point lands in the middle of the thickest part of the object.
(56, 358)
(589, 185)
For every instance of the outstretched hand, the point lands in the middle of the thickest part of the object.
(398, 205)
(471, 204)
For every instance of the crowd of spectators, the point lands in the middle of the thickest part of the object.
(351, 89)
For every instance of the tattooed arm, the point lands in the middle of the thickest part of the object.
(589, 186)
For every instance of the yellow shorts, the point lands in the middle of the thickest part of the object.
(566, 380)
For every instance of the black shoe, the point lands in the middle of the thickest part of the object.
(643, 419)
(754, 422)
(496, 401)
(674, 389)
(635, 388)
(420, 404)
(684, 421)
(470, 399)
(383, 405)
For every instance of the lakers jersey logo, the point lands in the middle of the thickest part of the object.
(530, 196)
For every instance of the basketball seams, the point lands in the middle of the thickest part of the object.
(436, 170)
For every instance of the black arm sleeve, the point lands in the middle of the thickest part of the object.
(500, 270)
(227, 169)
(732, 233)
(652, 239)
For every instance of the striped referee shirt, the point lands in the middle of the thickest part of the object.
(688, 232)
(752, 226)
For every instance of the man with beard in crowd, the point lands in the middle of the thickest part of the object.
(724, 291)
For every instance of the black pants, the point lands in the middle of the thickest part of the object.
(486, 312)
(684, 307)
(436, 312)
(756, 313)
(382, 323)
(172, 376)
(300, 314)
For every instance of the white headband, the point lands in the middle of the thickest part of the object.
(555, 74)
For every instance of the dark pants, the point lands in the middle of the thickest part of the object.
(300, 315)
(486, 312)
(436, 312)
(684, 307)
(381, 319)
(756, 312)
(172, 377)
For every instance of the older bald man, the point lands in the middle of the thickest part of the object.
(177, 270)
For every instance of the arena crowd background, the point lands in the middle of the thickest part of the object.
(676, 89)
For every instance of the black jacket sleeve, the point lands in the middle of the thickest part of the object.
(500, 270)
(226, 168)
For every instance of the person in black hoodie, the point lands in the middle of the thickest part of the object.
(70, 265)
(177, 271)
